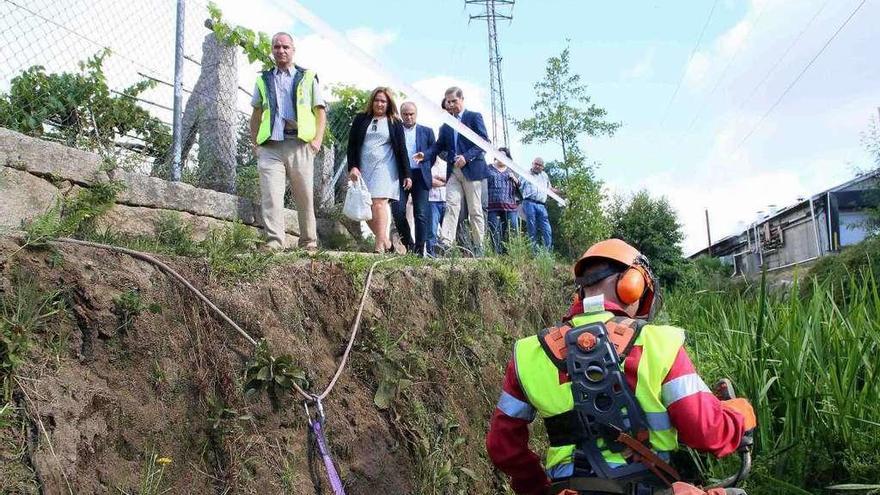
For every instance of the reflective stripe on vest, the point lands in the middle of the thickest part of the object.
(539, 378)
(306, 122)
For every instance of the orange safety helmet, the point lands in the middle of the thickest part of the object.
(635, 283)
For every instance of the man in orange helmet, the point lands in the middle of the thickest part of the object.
(616, 393)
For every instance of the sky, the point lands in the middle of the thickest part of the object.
(697, 125)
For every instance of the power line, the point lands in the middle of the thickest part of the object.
(783, 56)
(727, 67)
(801, 74)
(684, 72)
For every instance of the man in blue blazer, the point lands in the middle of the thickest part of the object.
(419, 139)
(466, 169)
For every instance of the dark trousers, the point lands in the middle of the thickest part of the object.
(419, 192)
(501, 225)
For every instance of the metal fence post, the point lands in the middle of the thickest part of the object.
(177, 164)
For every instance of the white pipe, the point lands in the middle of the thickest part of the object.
(828, 219)
(324, 30)
(815, 228)
(792, 264)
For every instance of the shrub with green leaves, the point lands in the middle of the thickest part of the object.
(80, 110)
(73, 216)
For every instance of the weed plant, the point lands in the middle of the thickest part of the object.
(808, 362)
(152, 476)
(73, 216)
(24, 310)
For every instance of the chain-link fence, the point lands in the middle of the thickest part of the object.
(99, 75)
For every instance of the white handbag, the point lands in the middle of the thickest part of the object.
(358, 201)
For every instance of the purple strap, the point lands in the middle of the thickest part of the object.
(335, 482)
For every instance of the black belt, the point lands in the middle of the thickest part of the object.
(534, 201)
(593, 485)
(290, 132)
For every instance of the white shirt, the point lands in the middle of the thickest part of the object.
(531, 191)
(438, 171)
(410, 135)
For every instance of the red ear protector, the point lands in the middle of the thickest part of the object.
(632, 283)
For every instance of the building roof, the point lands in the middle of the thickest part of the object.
(855, 180)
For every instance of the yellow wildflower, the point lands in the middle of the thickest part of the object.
(163, 461)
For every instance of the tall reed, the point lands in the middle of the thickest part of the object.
(811, 366)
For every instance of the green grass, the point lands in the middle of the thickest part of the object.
(808, 362)
(24, 311)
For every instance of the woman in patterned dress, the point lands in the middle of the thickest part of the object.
(377, 152)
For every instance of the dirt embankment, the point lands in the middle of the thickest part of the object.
(132, 366)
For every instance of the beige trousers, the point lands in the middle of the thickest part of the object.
(278, 162)
(459, 186)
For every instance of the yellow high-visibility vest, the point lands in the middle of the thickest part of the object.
(306, 121)
(539, 379)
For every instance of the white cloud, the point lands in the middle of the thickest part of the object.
(369, 40)
(643, 68)
(259, 15)
(810, 141)
(697, 70)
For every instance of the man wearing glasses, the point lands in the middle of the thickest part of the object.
(287, 127)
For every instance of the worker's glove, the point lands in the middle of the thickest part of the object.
(745, 409)
(680, 488)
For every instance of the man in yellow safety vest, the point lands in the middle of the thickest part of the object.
(287, 126)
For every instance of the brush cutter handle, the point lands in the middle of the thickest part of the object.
(723, 389)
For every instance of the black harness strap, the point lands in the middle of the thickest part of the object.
(592, 485)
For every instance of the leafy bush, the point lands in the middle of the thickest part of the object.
(837, 269)
(275, 375)
(705, 273)
(651, 226)
(80, 110)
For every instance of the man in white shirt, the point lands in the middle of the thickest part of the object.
(437, 202)
(534, 205)
(418, 140)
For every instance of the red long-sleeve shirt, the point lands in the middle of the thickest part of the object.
(701, 421)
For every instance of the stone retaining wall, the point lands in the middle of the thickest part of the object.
(36, 174)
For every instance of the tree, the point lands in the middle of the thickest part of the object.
(651, 226)
(348, 101)
(582, 222)
(563, 111)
